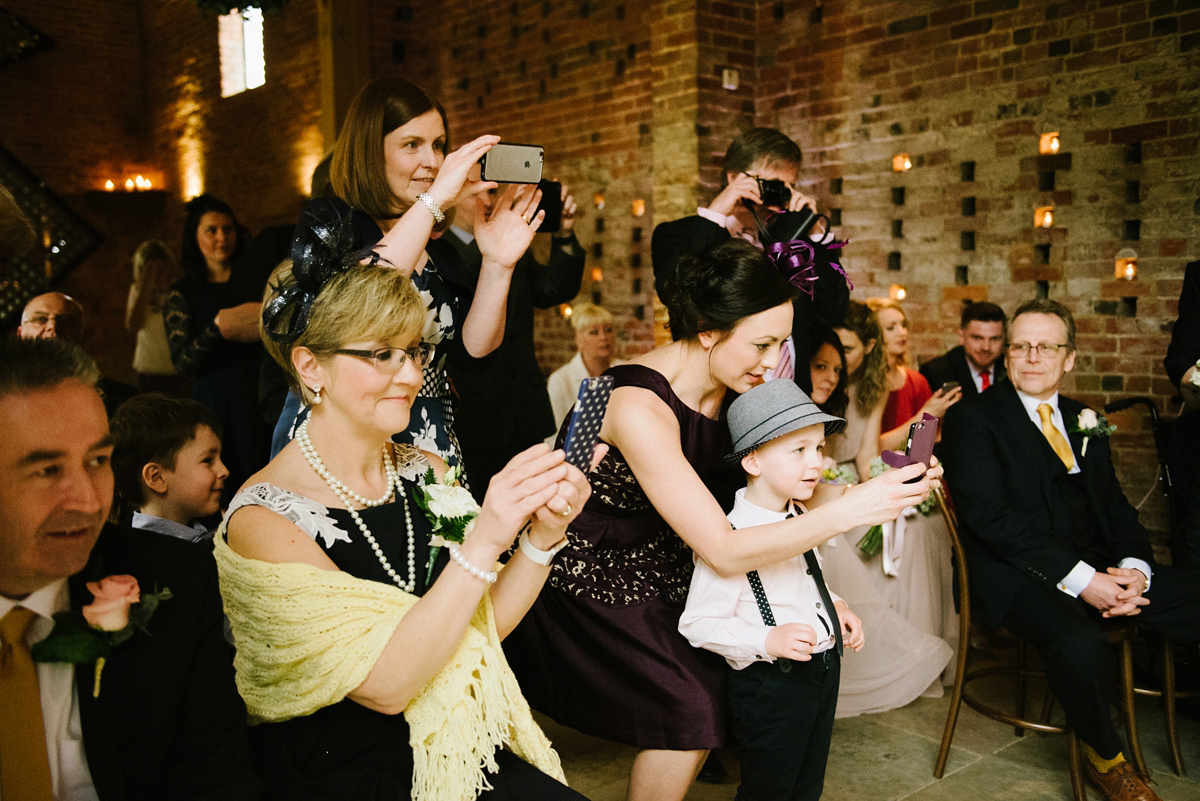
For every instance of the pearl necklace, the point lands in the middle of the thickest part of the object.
(346, 495)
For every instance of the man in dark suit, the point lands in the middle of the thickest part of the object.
(161, 717)
(769, 155)
(503, 406)
(975, 362)
(1052, 543)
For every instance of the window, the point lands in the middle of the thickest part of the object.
(243, 60)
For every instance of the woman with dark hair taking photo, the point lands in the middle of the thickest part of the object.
(212, 330)
(600, 651)
(394, 176)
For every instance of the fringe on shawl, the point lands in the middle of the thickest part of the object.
(306, 637)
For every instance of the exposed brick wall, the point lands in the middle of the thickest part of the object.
(856, 82)
(627, 99)
(255, 150)
(75, 115)
(576, 79)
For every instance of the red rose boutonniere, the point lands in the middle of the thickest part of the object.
(118, 610)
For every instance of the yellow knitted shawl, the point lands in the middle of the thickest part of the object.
(306, 637)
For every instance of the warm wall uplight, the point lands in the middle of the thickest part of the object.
(897, 292)
(565, 310)
(109, 185)
(128, 184)
(597, 274)
(639, 207)
(598, 201)
(1048, 144)
(901, 162)
(1043, 217)
(1125, 268)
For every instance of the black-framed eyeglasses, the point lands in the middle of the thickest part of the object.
(1043, 349)
(390, 360)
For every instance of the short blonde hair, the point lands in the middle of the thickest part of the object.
(337, 314)
(151, 250)
(585, 314)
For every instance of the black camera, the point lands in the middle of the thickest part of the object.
(774, 193)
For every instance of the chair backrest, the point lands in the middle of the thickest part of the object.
(960, 569)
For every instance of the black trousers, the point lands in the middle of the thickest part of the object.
(782, 719)
(1066, 632)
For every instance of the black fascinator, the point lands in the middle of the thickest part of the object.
(321, 250)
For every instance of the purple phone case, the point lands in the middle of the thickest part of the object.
(924, 446)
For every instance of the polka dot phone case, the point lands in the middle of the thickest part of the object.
(586, 420)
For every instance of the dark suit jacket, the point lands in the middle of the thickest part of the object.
(1184, 349)
(825, 309)
(952, 366)
(1015, 522)
(505, 399)
(168, 722)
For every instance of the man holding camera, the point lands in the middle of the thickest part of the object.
(761, 167)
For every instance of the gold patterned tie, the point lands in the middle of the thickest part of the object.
(1057, 441)
(24, 766)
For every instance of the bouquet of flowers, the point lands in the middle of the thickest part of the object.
(872, 542)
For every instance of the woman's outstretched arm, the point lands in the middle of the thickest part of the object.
(646, 432)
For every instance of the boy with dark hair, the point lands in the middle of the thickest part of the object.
(975, 363)
(167, 464)
(780, 628)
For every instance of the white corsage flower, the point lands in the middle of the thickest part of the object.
(1091, 424)
(450, 509)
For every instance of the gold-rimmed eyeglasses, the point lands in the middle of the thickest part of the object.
(1043, 349)
(391, 360)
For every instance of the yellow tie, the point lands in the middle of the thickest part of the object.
(1057, 441)
(24, 766)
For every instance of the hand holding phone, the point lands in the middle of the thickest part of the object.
(586, 420)
(509, 163)
(949, 386)
(922, 435)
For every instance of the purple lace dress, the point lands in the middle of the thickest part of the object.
(600, 651)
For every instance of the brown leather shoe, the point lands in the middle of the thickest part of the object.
(1122, 783)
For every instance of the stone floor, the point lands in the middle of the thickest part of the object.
(891, 756)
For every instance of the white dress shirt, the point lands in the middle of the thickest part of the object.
(731, 224)
(722, 615)
(977, 377)
(1081, 575)
(69, 775)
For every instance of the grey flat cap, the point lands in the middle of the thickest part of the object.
(769, 411)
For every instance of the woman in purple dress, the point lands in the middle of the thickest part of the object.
(600, 651)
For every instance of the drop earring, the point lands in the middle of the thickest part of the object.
(316, 395)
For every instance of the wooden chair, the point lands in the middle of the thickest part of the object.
(1120, 633)
(1170, 694)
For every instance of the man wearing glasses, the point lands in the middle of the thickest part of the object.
(1052, 544)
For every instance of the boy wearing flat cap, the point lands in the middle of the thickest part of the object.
(780, 628)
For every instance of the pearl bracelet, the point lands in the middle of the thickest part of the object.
(488, 576)
(431, 204)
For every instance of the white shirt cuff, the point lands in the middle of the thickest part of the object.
(1138, 564)
(760, 647)
(713, 217)
(1077, 580)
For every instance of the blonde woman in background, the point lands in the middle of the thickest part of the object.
(154, 271)
(596, 341)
